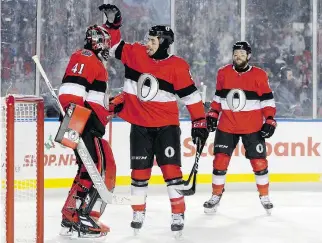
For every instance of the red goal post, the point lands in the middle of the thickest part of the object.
(22, 188)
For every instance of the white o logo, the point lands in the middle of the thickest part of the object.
(167, 28)
(241, 100)
(260, 148)
(145, 93)
(169, 152)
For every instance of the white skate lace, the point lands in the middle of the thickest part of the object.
(177, 218)
(138, 216)
(265, 200)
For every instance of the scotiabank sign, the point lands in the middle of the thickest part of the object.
(308, 147)
(296, 147)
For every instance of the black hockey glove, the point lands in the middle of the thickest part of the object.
(113, 15)
(212, 119)
(199, 131)
(268, 127)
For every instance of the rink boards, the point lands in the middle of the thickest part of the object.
(295, 153)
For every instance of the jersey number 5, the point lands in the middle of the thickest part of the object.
(76, 70)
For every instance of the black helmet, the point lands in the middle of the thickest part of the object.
(164, 33)
(242, 45)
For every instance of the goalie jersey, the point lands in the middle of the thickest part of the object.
(85, 83)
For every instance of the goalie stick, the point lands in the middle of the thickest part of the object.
(188, 191)
(87, 160)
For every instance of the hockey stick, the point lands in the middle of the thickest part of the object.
(188, 191)
(87, 160)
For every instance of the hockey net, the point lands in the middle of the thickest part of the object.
(22, 175)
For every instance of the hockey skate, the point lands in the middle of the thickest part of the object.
(88, 227)
(177, 224)
(66, 228)
(137, 222)
(267, 204)
(210, 206)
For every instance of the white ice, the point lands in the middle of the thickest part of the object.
(296, 218)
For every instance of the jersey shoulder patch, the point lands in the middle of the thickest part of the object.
(87, 53)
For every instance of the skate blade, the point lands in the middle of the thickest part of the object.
(136, 232)
(211, 211)
(268, 212)
(178, 235)
(97, 238)
(66, 232)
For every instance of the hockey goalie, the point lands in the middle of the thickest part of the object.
(83, 97)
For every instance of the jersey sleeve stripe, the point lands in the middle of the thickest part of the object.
(217, 99)
(266, 103)
(193, 98)
(76, 80)
(267, 96)
(98, 85)
(96, 97)
(135, 75)
(116, 50)
(186, 91)
(72, 89)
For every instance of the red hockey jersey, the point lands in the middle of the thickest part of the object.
(85, 80)
(152, 86)
(244, 100)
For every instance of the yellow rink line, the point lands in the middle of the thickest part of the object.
(158, 179)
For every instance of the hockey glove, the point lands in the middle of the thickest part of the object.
(268, 127)
(113, 15)
(116, 104)
(199, 131)
(212, 119)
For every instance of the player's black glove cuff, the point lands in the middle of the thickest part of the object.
(113, 15)
(199, 130)
(268, 127)
(212, 120)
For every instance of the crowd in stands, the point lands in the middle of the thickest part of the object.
(280, 33)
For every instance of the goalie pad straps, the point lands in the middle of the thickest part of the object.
(83, 195)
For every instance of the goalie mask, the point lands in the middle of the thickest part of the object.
(98, 40)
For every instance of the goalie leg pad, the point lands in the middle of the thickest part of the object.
(72, 126)
(172, 175)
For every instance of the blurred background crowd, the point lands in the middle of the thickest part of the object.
(279, 31)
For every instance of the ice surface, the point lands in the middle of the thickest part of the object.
(240, 218)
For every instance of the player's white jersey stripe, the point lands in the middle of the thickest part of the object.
(72, 89)
(131, 87)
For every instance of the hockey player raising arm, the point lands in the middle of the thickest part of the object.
(153, 79)
(83, 91)
(244, 100)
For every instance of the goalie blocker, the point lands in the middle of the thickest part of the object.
(83, 206)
